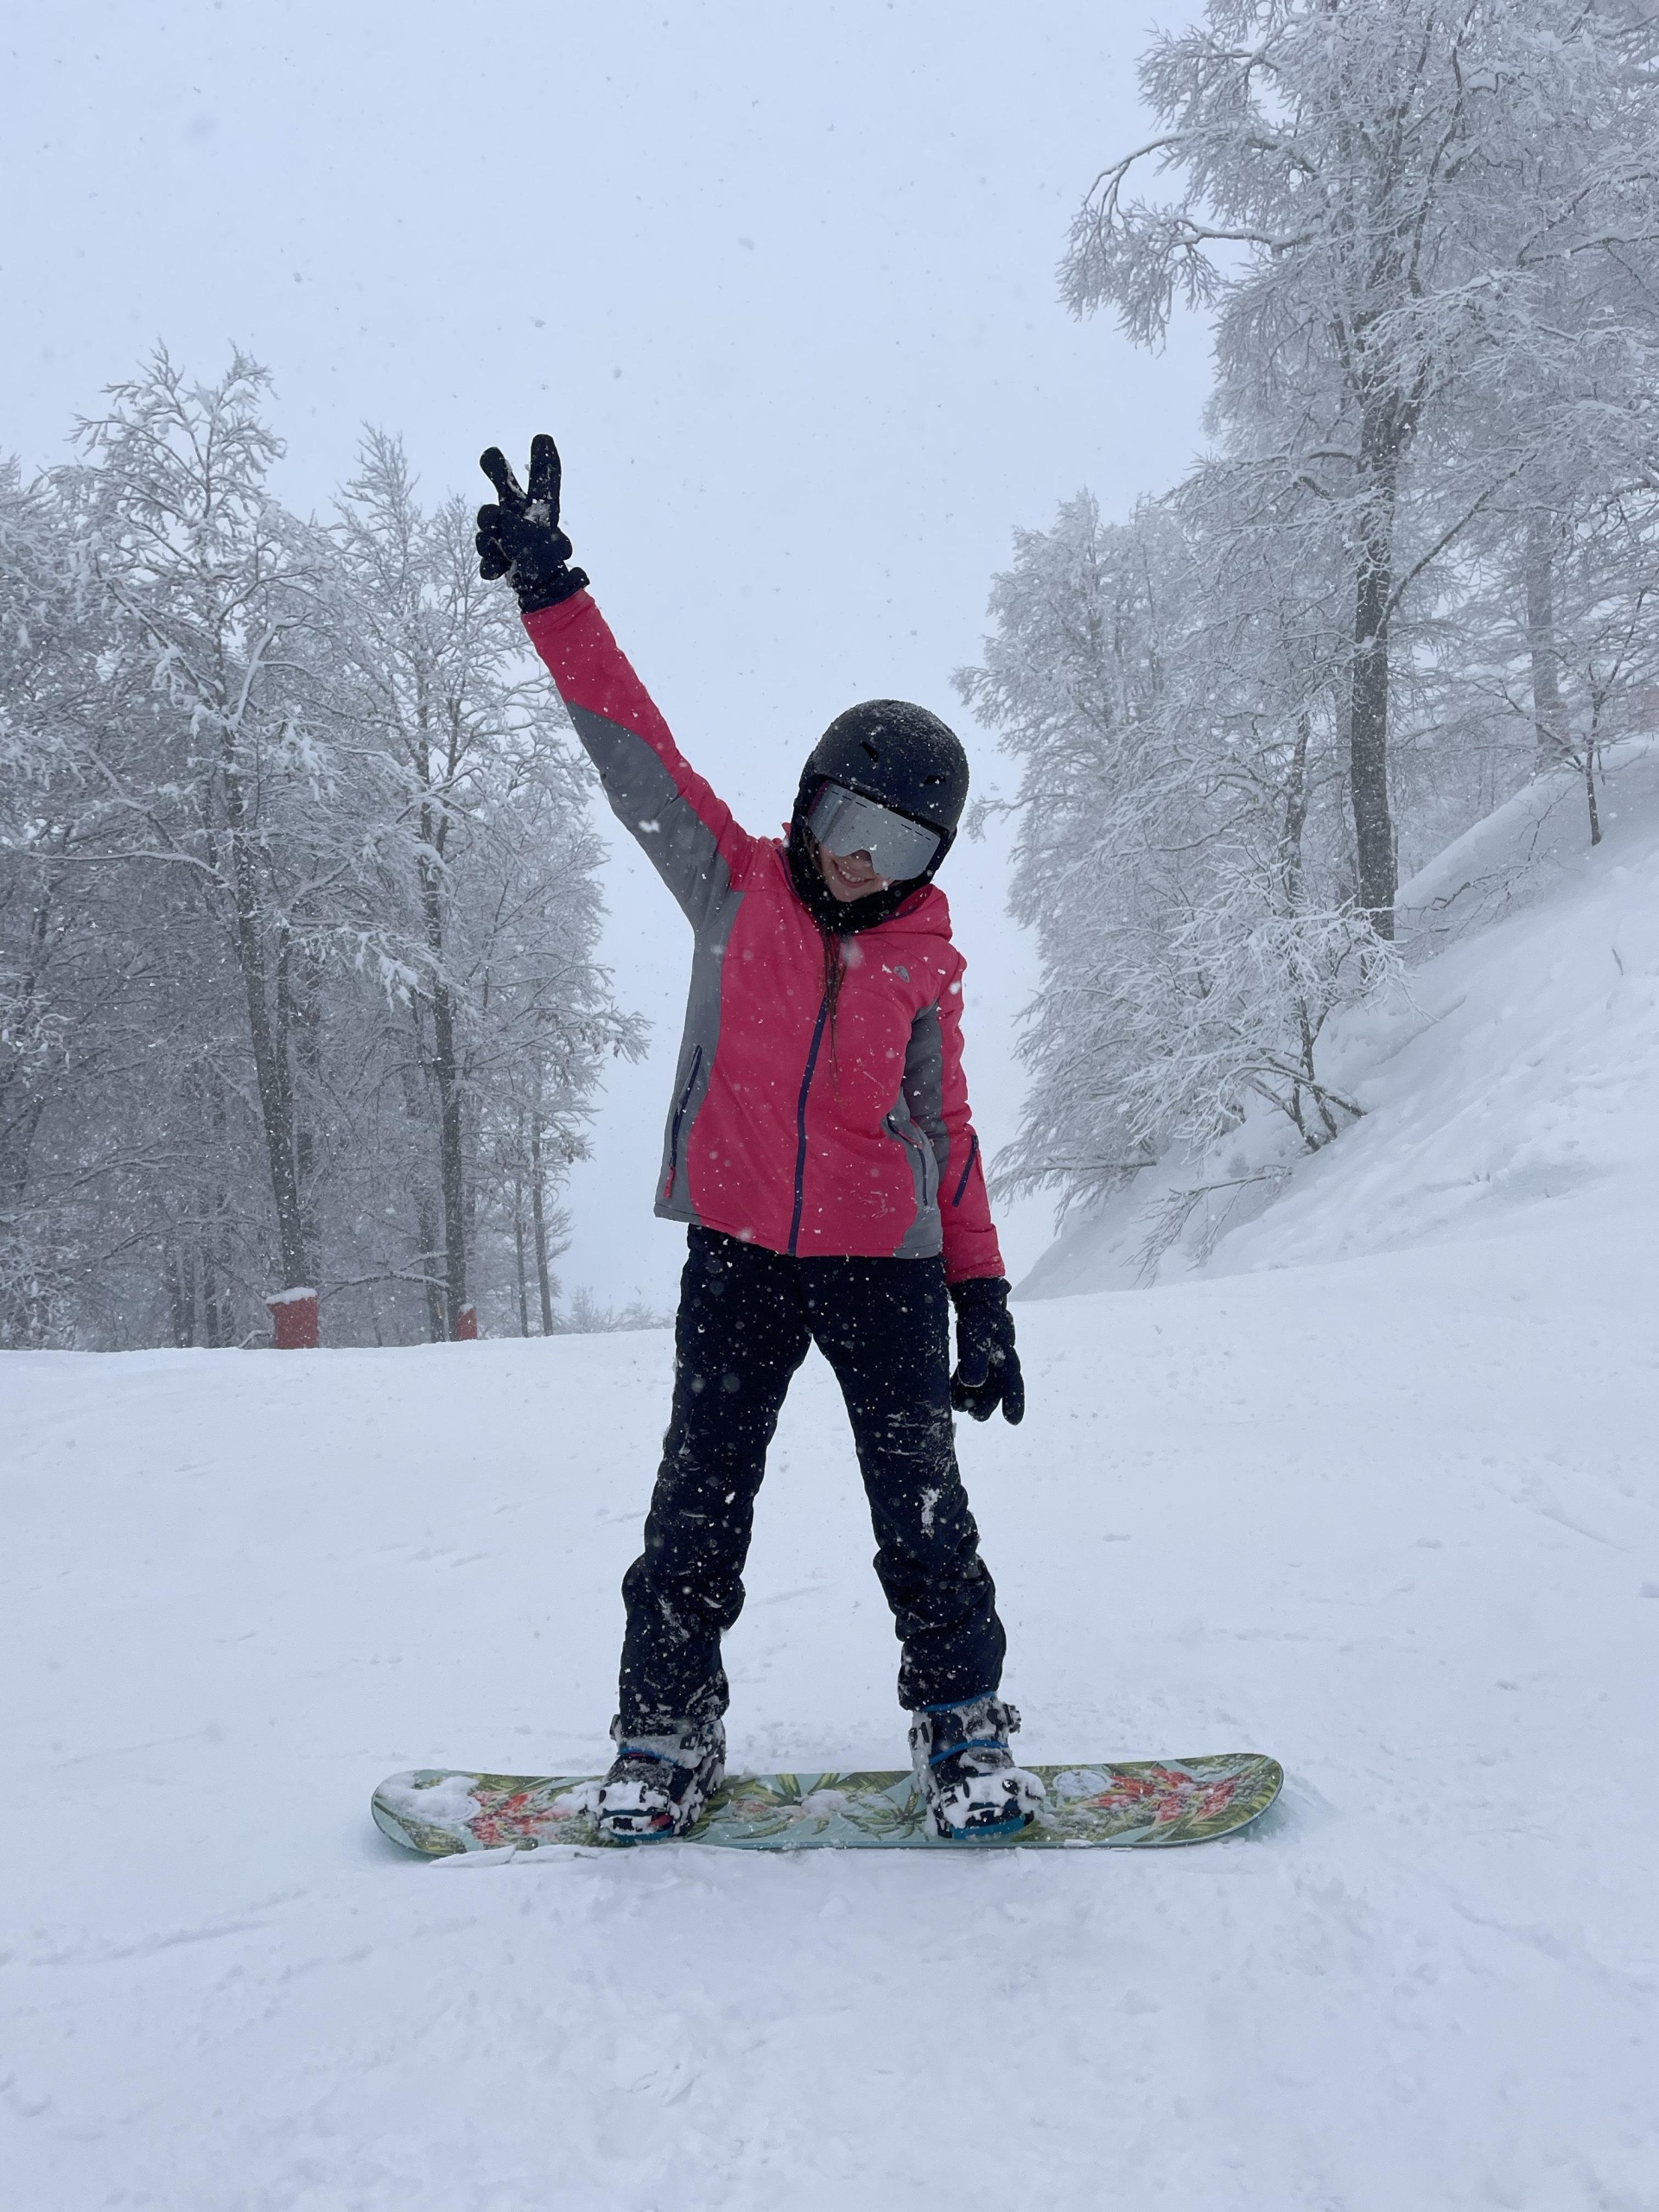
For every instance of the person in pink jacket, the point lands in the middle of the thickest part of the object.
(820, 1150)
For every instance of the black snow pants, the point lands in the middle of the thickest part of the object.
(746, 1316)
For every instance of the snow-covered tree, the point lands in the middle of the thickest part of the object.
(487, 858)
(49, 951)
(1380, 202)
(1416, 565)
(1182, 849)
(299, 906)
(214, 594)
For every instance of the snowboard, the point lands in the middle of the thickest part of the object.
(1140, 1804)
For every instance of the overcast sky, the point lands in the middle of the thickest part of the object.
(779, 279)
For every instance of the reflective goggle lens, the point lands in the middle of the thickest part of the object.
(843, 823)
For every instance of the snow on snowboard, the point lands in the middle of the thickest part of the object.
(1137, 1802)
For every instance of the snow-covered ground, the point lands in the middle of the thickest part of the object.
(1380, 1500)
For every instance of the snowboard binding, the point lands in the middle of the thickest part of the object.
(658, 1786)
(967, 1773)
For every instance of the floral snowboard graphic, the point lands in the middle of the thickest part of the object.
(1142, 1802)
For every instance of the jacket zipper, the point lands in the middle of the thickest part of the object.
(973, 1155)
(800, 1125)
(674, 1130)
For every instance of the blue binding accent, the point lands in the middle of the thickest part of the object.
(986, 1829)
(973, 1743)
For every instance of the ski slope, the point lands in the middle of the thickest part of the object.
(1378, 1496)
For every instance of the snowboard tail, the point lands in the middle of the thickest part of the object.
(1140, 1803)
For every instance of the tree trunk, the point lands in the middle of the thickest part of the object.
(518, 1256)
(269, 1046)
(1548, 715)
(426, 1229)
(451, 1162)
(21, 1115)
(1295, 820)
(538, 1213)
(1368, 728)
(212, 1290)
(302, 980)
(217, 1255)
(446, 1074)
(178, 1273)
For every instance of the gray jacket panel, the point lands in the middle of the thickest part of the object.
(698, 1043)
(918, 1122)
(667, 828)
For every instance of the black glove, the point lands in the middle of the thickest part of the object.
(520, 539)
(987, 1367)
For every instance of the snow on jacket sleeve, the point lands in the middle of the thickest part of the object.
(688, 835)
(936, 1091)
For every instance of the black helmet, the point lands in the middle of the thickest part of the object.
(900, 756)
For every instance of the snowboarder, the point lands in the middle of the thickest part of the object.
(820, 1150)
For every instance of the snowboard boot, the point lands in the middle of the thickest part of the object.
(658, 1785)
(966, 1771)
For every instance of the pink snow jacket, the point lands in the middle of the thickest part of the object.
(782, 1133)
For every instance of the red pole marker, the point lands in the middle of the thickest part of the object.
(293, 1320)
(467, 1325)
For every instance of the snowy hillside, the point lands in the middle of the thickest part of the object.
(1380, 1501)
(1517, 1073)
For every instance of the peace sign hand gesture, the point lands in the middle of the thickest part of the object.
(520, 538)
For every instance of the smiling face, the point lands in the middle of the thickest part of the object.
(849, 875)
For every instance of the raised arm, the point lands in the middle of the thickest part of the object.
(687, 833)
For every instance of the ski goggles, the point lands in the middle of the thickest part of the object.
(843, 823)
